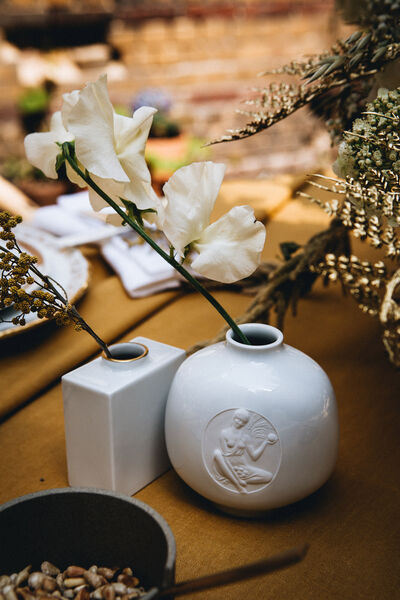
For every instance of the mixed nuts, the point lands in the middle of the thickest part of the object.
(75, 583)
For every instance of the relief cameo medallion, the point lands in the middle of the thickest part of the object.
(241, 450)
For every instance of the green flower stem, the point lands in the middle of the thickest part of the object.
(196, 284)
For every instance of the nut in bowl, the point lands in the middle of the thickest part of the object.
(86, 527)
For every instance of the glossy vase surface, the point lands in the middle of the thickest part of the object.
(252, 428)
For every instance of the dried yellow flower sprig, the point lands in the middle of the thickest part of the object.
(27, 290)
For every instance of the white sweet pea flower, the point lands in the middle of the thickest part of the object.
(230, 248)
(190, 195)
(108, 145)
(69, 101)
(111, 147)
(42, 148)
(227, 250)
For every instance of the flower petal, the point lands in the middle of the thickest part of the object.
(73, 176)
(230, 248)
(143, 195)
(130, 140)
(114, 189)
(112, 218)
(41, 148)
(69, 101)
(91, 120)
(190, 193)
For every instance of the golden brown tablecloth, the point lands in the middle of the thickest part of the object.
(352, 523)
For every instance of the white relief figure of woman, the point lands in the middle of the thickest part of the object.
(233, 460)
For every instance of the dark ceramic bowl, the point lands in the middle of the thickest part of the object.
(79, 526)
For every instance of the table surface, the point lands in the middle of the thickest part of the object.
(351, 523)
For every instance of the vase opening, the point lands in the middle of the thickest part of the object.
(129, 352)
(258, 335)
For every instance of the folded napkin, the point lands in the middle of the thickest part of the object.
(141, 270)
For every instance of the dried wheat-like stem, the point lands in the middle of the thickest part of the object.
(389, 317)
(370, 213)
(363, 279)
(335, 83)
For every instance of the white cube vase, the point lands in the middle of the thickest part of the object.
(114, 416)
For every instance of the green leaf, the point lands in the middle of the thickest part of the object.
(60, 160)
(136, 213)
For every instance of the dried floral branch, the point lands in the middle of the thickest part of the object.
(370, 213)
(364, 280)
(376, 293)
(368, 200)
(335, 85)
(389, 317)
(337, 82)
(27, 290)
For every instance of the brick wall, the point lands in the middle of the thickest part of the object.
(207, 65)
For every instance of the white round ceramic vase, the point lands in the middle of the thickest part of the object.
(252, 428)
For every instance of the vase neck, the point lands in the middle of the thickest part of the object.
(261, 337)
(126, 353)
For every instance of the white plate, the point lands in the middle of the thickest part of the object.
(68, 267)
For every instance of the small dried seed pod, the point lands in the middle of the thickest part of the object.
(93, 569)
(97, 594)
(106, 572)
(73, 582)
(69, 594)
(83, 593)
(35, 580)
(127, 571)
(74, 571)
(9, 592)
(120, 588)
(13, 578)
(4, 580)
(23, 575)
(134, 594)
(56, 593)
(108, 592)
(25, 594)
(60, 581)
(49, 584)
(43, 595)
(49, 569)
(128, 580)
(94, 579)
